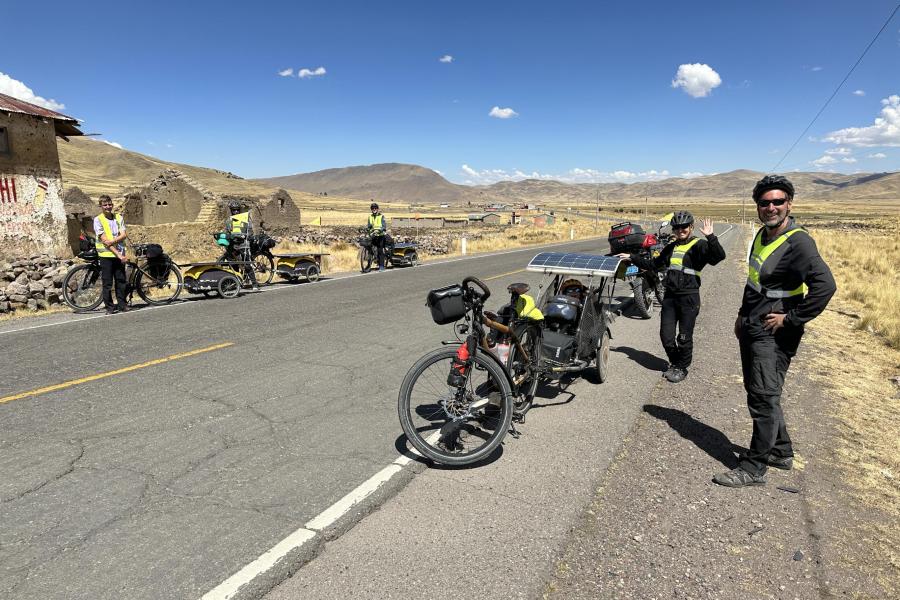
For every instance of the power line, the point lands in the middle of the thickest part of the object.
(837, 89)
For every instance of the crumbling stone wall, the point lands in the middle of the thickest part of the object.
(32, 217)
(168, 199)
(279, 210)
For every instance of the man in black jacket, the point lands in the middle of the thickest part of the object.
(683, 260)
(788, 285)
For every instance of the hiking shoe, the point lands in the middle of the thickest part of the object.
(111, 311)
(676, 374)
(668, 372)
(785, 463)
(739, 478)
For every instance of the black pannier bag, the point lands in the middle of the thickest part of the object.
(557, 347)
(153, 251)
(446, 304)
(86, 244)
(562, 308)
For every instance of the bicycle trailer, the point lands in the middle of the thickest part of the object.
(404, 254)
(293, 267)
(212, 277)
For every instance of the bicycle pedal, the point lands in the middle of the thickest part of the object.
(515, 433)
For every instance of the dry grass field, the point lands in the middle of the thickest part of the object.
(857, 342)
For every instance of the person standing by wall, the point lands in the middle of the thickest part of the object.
(788, 285)
(109, 227)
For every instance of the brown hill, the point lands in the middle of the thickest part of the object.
(389, 182)
(96, 168)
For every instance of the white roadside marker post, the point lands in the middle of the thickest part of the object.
(463, 245)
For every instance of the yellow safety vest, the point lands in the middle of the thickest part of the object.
(758, 257)
(526, 309)
(102, 250)
(676, 262)
(240, 223)
(376, 222)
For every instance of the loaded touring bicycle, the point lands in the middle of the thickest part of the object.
(458, 402)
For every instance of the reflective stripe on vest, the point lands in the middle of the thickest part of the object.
(376, 221)
(757, 259)
(239, 221)
(677, 260)
(102, 250)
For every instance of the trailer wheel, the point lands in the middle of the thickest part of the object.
(312, 273)
(229, 286)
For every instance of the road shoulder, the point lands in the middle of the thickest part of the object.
(659, 528)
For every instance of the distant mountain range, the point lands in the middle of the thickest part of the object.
(97, 167)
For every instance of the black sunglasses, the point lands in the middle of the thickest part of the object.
(677, 227)
(766, 203)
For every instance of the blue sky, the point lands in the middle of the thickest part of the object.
(586, 88)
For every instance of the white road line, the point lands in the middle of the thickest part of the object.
(229, 587)
(337, 510)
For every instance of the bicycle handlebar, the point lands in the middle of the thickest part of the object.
(484, 288)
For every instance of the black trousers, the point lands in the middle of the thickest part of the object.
(765, 359)
(378, 249)
(112, 270)
(679, 312)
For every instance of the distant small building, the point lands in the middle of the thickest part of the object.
(495, 207)
(445, 205)
(485, 219)
(412, 223)
(543, 220)
(32, 214)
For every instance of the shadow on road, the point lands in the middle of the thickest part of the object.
(402, 445)
(709, 439)
(645, 359)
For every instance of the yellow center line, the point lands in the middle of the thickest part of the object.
(504, 274)
(73, 382)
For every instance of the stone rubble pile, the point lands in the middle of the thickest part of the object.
(33, 283)
(429, 243)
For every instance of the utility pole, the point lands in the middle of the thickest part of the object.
(597, 212)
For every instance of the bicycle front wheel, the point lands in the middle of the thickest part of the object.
(83, 287)
(159, 284)
(524, 372)
(366, 256)
(455, 425)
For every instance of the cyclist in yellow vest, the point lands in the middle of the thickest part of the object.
(788, 285)
(239, 223)
(109, 227)
(683, 259)
(377, 230)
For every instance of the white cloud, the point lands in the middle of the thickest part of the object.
(307, 73)
(575, 175)
(884, 132)
(817, 69)
(824, 160)
(859, 93)
(697, 80)
(502, 113)
(840, 151)
(113, 144)
(446, 58)
(691, 174)
(848, 160)
(877, 155)
(17, 89)
(286, 72)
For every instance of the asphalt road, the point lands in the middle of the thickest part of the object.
(164, 480)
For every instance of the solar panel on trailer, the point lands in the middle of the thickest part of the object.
(574, 263)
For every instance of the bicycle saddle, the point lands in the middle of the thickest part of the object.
(518, 288)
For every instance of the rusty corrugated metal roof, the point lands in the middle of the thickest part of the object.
(64, 124)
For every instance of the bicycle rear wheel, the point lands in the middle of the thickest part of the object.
(159, 284)
(83, 287)
(264, 266)
(450, 425)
